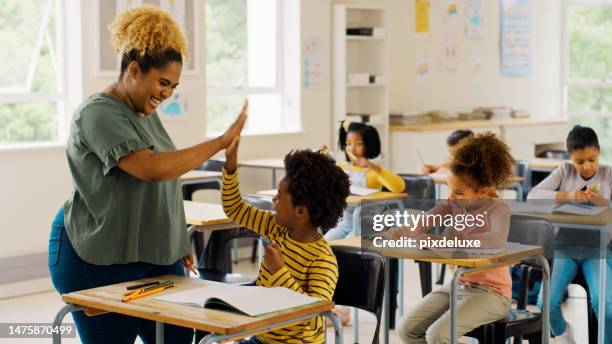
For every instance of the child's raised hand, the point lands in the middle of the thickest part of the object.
(231, 155)
(273, 257)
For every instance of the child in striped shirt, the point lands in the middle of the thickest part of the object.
(311, 195)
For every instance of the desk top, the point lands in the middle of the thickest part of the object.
(442, 178)
(351, 199)
(108, 299)
(201, 175)
(204, 214)
(265, 163)
(549, 164)
(377, 196)
(601, 219)
(514, 252)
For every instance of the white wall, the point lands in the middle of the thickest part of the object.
(35, 182)
(539, 93)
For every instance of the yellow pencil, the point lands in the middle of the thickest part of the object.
(146, 293)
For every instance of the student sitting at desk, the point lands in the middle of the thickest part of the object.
(361, 143)
(311, 195)
(583, 180)
(451, 141)
(479, 166)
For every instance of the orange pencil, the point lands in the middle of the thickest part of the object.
(146, 293)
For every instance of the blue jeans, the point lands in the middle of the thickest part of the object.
(564, 271)
(70, 273)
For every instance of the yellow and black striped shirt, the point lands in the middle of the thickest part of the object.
(310, 268)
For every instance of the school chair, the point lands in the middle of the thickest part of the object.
(361, 281)
(523, 170)
(421, 193)
(190, 187)
(521, 323)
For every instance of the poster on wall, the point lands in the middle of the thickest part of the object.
(422, 68)
(515, 41)
(312, 65)
(473, 19)
(421, 16)
(450, 48)
(107, 61)
(174, 107)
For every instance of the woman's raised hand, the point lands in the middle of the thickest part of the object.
(236, 128)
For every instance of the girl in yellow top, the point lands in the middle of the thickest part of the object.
(361, 143)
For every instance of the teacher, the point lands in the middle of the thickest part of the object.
(125, 218)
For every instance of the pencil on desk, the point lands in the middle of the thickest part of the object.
(150, 287)
(146, 293)
(195, 272)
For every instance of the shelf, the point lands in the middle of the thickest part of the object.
(380, 84)
(364, 38)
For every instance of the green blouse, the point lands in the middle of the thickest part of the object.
(112, 217)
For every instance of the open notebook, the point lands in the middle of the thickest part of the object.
(252, 301)
(361, 191)
(549, 208)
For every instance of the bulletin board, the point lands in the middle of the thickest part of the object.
(108, 62)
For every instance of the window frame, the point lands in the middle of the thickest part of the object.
(280, 89)
(60, 97)
(566, 81)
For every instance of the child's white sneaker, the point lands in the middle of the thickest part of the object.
(567, 337)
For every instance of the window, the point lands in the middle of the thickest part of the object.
(588, 68)
(245, 59)
(31, 91)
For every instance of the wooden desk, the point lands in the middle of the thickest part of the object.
(377, 196)
(223, 325)
(274, 164)
(199, 175)
(474, 263)
(601, 222)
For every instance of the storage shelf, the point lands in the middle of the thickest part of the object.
(364, 38)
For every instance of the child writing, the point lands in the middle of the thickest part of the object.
(583, 180)
(451, 141)
(479, 166)
(311, 195)
(361, 143)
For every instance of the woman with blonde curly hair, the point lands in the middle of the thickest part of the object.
(125, 218)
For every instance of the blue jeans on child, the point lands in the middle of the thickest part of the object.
(344, 229)
(70, 273)
(564, 271)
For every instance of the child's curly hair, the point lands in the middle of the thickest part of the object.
(149, 36)
(485, 159)
(317, 183)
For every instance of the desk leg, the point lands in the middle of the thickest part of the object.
(59, 317)
(273, 178)
(338, 331)
(601, 311)
(546, 298)
(386, 308)
(159, 332)
(453, 303)
(401, 288)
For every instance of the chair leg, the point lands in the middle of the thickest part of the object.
(440, 280)
(254, 251)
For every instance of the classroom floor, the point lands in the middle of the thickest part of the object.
(43, 306)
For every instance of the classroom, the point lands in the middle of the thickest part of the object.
(266, 171)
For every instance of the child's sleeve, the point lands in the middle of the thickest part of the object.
(322, 278)
(259, 221)
(548, 188)
(391, 181)
(494, 234)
